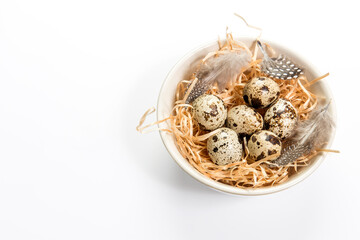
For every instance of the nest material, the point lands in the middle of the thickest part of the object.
(191, 140)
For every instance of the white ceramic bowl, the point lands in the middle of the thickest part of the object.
(184, 68)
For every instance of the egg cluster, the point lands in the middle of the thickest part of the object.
(264, 132)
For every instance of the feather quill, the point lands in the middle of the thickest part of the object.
(309, 134)
(221, 70)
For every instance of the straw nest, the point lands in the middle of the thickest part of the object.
(191, 140)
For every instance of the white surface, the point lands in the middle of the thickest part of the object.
(75, 76)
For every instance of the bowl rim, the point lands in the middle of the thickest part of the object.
(184, 164)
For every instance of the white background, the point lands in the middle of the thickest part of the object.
(75, 77)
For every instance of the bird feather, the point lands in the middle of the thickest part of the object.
(309, 134)
(280, 68)
(221, 69)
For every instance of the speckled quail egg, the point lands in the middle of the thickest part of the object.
(260, 92)
(224, 147)
(244, 120)
(281, 118)
(209, 111)
(263, 144)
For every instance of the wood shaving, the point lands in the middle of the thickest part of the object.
(191, 140)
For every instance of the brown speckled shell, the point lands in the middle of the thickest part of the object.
(260, 92)
(263, 144)
(281, 118)
(244, 120)
(224, 147)
(209, 111)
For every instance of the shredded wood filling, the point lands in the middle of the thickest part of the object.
(191, 140)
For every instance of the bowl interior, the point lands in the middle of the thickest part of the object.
(185, 67)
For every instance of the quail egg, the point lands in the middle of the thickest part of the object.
(263, 144)
(281, 118)
(224, 147)
(260, 92)
(209, 111)
(244, 120)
